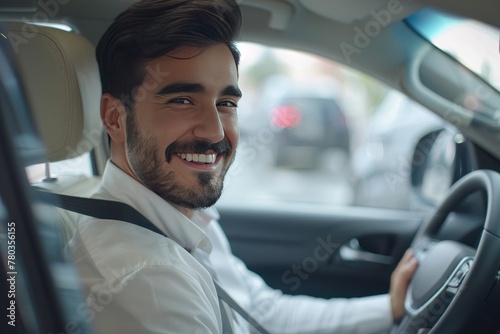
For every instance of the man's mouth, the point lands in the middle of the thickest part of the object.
(200, 158)
(198, 151)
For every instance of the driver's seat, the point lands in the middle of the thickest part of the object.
(61, 79)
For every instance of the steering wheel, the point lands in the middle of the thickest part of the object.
(452, 279)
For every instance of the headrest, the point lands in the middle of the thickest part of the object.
(61, 78)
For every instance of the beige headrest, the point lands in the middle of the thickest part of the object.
(61, 77)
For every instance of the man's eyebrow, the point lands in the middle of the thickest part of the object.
(231, 91)
(181, 87)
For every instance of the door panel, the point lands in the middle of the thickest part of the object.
(320, 251)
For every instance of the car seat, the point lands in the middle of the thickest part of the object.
(61, 80)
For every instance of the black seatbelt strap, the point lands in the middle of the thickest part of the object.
(105, 209)
(102, 209)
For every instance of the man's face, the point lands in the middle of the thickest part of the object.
(182, 134)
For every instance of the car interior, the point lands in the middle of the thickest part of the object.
(50, 92)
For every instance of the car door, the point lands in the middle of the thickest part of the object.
(324, 252)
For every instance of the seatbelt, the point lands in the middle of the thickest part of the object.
(105, 209)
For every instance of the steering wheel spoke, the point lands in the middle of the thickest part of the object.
(452, 278)
(437, 281)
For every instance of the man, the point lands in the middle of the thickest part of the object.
(169, 72)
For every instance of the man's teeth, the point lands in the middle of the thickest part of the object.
(202, 158)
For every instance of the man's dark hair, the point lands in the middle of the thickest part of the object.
(152, 28)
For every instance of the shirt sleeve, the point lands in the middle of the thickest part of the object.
(288, 314)
(154, 299)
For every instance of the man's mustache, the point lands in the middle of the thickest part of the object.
(199, 147)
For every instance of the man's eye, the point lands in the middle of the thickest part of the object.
(180, 100)
(229, 104)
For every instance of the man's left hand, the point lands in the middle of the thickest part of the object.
(400, 279)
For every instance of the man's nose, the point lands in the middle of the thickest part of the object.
(209, 127)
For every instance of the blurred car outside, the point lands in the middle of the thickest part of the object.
(307, 122)
(381, 162)
(306, 127)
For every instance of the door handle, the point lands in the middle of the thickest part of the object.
(352, 251)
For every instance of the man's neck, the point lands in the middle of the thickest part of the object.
(185, 211)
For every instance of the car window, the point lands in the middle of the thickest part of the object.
(81, 165)
(305, 119)
(474, 44)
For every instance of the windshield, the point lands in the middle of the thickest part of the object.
(474, 44)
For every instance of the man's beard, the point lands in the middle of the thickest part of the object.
(146, 163)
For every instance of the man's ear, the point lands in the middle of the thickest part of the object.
(113, 116)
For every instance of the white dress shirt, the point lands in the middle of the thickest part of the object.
(137, 281)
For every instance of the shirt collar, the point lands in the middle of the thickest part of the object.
(203, 217)
(118, 185)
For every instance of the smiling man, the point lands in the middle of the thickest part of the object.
(182, 142)
(169, 71)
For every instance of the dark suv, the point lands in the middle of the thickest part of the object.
(305, 127)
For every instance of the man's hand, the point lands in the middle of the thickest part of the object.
(400, 279)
